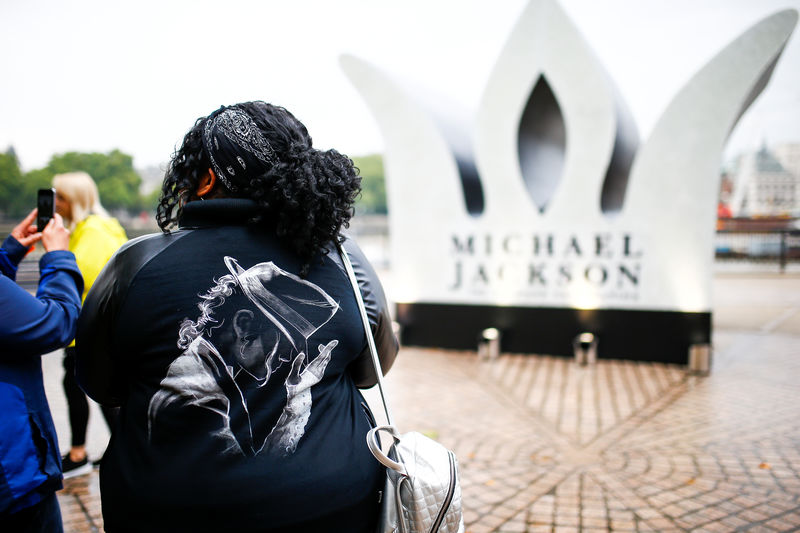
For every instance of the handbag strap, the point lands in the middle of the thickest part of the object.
(374, 445)
(367, 330)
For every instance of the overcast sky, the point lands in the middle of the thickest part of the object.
(99, 75)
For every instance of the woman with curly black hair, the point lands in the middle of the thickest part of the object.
(308, 194)
(232, 342)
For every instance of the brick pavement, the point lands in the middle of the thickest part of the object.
(544, 445)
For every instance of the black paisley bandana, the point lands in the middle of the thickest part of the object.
(236, 147)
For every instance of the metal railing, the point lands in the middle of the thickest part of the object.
(767, 247)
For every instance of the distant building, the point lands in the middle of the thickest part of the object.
(725, 196)
(789, 157)
(766, 183)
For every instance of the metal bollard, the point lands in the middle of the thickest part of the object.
(489, 344)
(700, 359)
(585, 347)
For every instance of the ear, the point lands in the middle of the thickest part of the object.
(207, 183)
(243, 323)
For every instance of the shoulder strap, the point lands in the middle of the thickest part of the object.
(367, 330)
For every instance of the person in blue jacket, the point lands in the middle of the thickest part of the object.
(30, 466)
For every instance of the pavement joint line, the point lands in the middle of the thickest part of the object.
(743, 343)
(623, 493)
(626, 427)
(550, 486)
(94, 527)
(549, 433)
(531, 381)
(87, 515)
(776, 322)
(617, 432)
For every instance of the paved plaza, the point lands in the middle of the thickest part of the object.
(545, 445)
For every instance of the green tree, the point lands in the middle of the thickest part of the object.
(373, 185)
(10, 183)
(18, 191)
(117, 181)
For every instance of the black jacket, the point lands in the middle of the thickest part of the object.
(237, 380)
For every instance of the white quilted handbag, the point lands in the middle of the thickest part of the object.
(422, 492)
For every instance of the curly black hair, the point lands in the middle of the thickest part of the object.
(308, 194)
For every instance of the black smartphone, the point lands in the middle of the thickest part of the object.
(46, 204)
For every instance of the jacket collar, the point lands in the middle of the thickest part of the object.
(217, 212)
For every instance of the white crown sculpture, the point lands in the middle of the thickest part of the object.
(548, 201)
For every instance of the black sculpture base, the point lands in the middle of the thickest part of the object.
(662, 336)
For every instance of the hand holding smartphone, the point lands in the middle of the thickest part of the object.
(45, 203)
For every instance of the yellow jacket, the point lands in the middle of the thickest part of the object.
(93, 241)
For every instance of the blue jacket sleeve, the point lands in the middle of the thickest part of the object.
(33, 325)
(11, 253)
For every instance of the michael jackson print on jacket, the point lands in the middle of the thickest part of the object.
(253, 322)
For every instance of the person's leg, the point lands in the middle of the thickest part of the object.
(43, 517)
(78, 407)
(75, 462)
